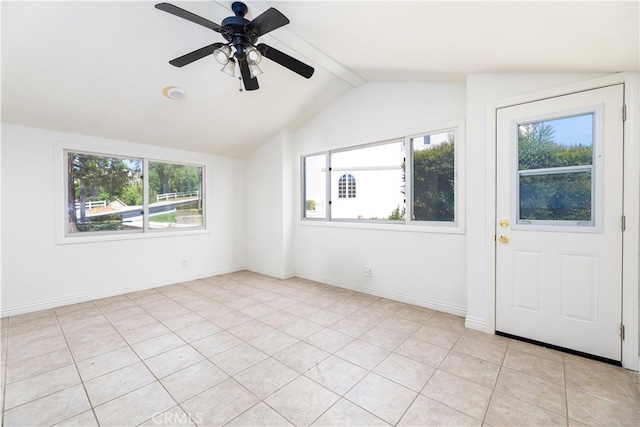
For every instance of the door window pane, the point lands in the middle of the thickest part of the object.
(555, 170)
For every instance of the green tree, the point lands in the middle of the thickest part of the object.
(552, 196)
(434, 182)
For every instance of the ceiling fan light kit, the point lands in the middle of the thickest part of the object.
(241, 36)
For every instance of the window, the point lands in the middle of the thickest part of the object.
(106, 195)
(413, 180)
(347, 187)
(433, 177)
(555, 171)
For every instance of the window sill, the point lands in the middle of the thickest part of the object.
(398, 226)
(95, 238)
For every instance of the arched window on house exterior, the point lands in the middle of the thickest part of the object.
(347, 187)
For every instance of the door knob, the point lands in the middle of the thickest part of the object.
(504, 239)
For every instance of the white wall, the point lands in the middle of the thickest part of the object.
(38, 273)
(423, 268)
(268, 199)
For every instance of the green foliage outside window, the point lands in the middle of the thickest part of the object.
(434, 182)
(553, 196)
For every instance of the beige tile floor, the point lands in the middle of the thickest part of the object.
(244, 349)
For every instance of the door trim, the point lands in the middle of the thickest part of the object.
(631, 201)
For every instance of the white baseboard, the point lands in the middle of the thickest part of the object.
(477, 324)
(282, 275)
(442, 306)
(17, 309)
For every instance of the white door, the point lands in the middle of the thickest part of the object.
(559, 221)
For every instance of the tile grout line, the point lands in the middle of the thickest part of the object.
(75, 364)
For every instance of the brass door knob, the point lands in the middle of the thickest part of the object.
(504, 239)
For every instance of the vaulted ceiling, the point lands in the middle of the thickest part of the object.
(99, 67)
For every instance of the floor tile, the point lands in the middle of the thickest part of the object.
(37, 365)
(405, 371)
(422, 352)
(173, 417)
(399, 325)
(592, 410)
(602, 385)
(508, 411)
(114, 384)
(481, 349)
(238, 358)
(301, 356)
(157, 345)
(273, 342)
(336, 374)
(183, 321)
(259, 415)
(329, 340)
(546, 369)
(533, 390)
(447, 322)
(382, 397)
(50, 409)
(85, 419)
(225, 343)
(198, 331)
(189, 382)
(427, 412)
(345, 413)
(385, 338)
(220, 404)
(440, 337)
(172, 361)
(216, 343)
(107, 362)
(350, 326)
(301, 328)
(458, 393)
(29, 389)
(145, 332)
(135, 407)
(301, 401)
(471, 368)
(363, 354)
(265, 377)
(536, 350)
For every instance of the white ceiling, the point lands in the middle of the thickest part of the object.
(98, 68)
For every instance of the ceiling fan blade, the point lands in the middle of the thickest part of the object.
(250, 83)
(184, 14)
(195, 55)
(267, 21)
(286, 61)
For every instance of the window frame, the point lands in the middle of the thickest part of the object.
(61, 179)
(449, 227)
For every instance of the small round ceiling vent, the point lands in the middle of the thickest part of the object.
(173, 92)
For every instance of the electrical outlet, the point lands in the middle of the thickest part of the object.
(368, 272)
(184, 262)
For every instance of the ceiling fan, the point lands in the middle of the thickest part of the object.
(241, 35)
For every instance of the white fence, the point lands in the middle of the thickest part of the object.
(167, 196)
(92, 204)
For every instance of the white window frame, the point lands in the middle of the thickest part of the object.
(448, 227)
(61, 179)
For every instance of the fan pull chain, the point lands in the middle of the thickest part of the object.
(240, 84)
